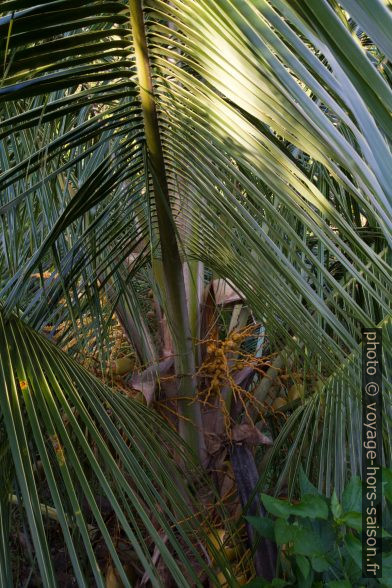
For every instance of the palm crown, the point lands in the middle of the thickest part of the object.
(248, 139)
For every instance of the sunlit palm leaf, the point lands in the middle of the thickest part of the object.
(259, 198)
(56, 412)
(276, 128)
(324, 432)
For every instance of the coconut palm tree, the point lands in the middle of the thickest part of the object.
(146, 145)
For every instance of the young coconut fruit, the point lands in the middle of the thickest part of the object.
(279, 402)
(222, 580)
(296, 391)
(122, 366)
(219, 543)
(112, 579)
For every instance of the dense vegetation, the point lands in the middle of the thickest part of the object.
(195, 228)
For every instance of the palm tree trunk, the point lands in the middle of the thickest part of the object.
(247, 477)
(190, 424)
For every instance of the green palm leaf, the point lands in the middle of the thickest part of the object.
(275, 128)
(255, 189)
(56, 412)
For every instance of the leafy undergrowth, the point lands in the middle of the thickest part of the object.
(319, 539)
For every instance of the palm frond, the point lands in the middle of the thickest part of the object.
(323, 433)
(92, 442)
(275, 126)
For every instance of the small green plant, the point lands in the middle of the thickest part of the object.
(319, 538)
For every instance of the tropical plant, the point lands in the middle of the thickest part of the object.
(146, 147)
(90, 445)
(319, 538)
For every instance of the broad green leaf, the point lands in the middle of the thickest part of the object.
(285, 532)
(304, 565)
(276, 506)
(336, 507)
(310, 505)
(305, 485)
(306, 542)
(354, 548)
(319, 563)
(353, 520)
(352, 496)
(263, 526)
(387, 569)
